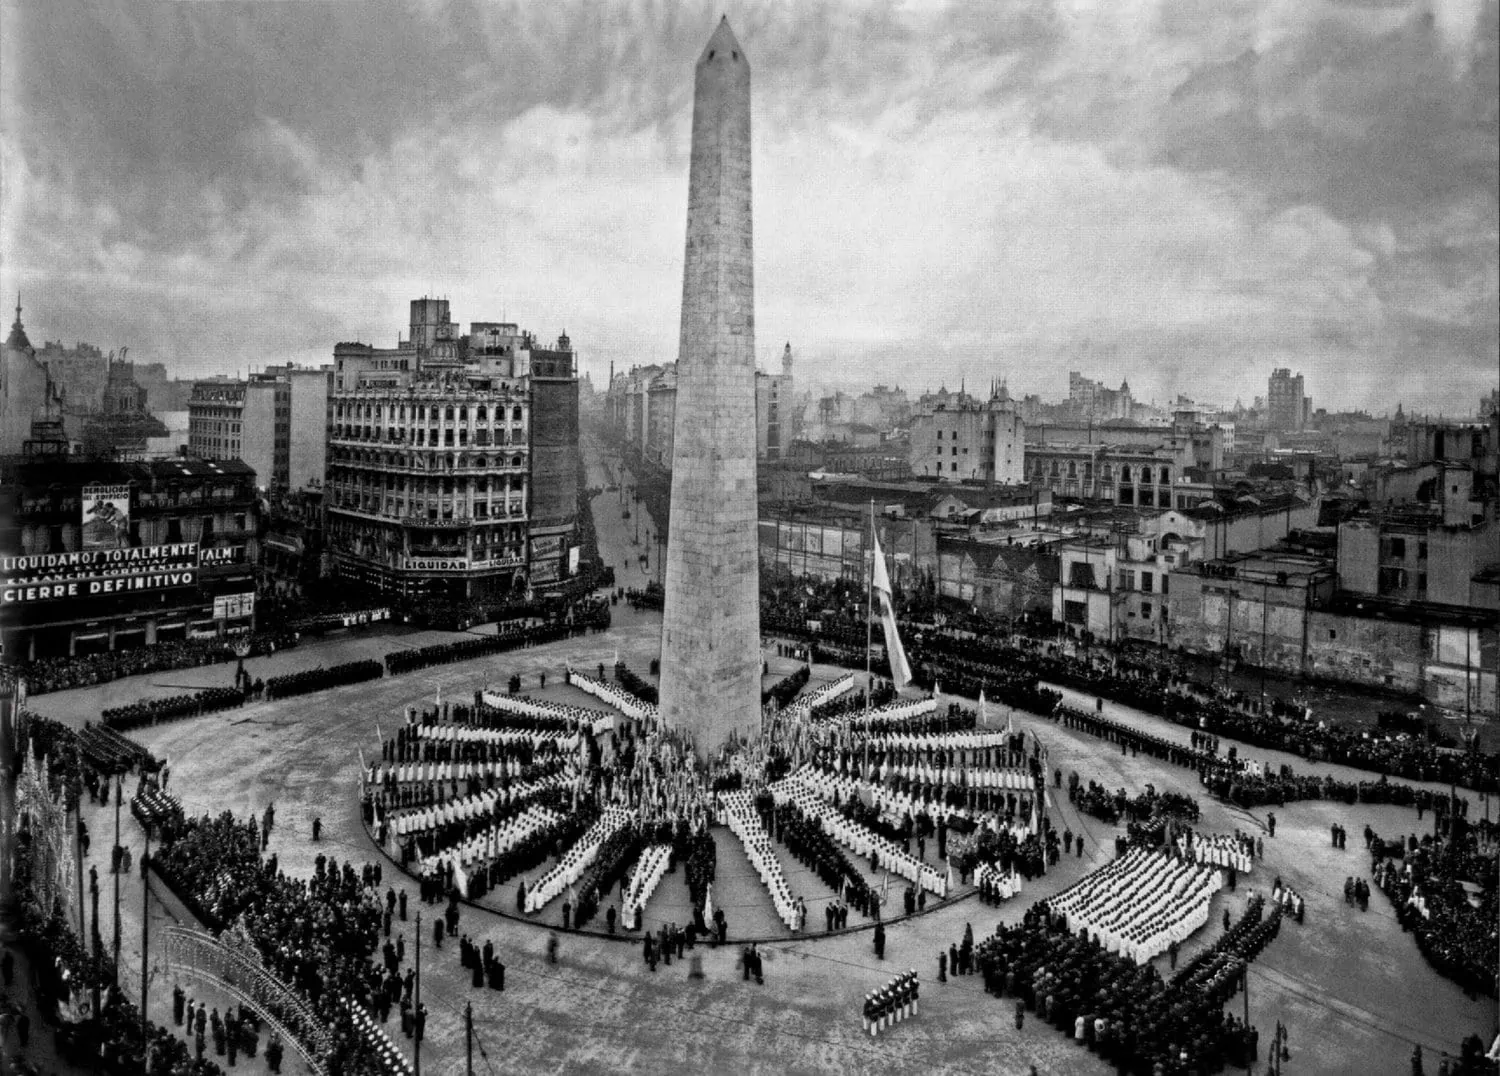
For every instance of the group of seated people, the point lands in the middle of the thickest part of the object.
(1139, 905)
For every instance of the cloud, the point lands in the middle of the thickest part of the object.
(1178, 194)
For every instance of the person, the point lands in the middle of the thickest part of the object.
(552, 949)
(879, 941)
(609, 918)
(567, 912)
(317, 828)
(942, 966)
(273, 1053)
(437, 931)
(1271, 823)
(1020, 1013)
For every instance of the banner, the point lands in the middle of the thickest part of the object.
(106, 517)
(92, 573)
(900, 667)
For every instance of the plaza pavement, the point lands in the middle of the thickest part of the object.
(1352, 988)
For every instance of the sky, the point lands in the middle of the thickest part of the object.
(1183, 194)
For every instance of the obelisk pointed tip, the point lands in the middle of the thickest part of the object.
(723, 45)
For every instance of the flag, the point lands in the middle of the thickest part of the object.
(984, 711)
(900, 668)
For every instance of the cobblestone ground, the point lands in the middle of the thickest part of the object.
(1351, 987)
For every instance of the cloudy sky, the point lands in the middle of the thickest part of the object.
(1182, 193)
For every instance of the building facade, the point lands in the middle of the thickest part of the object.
(275, 420)
(1287, 405)
(985, 443)
(100, 555)
(453, 461)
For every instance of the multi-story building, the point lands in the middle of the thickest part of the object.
(104, 555)
(1089, 399)
(642, 409)
(962, 444)
(275, 420)
(1412, 556)
(453, 465)
(774, 410)
(1120, 474)
(1117, 586)
(216, 419)
(27, 392)
(1287, 406)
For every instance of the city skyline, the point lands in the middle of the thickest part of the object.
(226, 186)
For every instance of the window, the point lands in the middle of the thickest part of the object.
(1146, 610)
(1147, 581)
(1398, 548)
(1422, 550)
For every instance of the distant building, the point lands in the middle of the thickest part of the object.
(275, 420)
(641, 407)
(985, 443)
(1089, 399)
(27, 392)
(1287, 406)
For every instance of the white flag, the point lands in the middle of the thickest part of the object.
(900, 668)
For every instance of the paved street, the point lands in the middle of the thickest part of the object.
(1331, 979)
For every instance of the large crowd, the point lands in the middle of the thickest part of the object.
(62, 673)
(1108, 1003)
(1444, 891)
(317, 934)
(66, 972)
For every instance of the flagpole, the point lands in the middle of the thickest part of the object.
(870, 609)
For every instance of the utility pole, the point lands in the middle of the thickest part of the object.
(114, 858)
(145, 933)
(98, 942)
(416, 1005)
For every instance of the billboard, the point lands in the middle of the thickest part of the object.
(573, 554)
(91, 573)
(106, 517)
(233, 606)
(547, 547)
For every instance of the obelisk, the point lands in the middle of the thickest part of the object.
(710, 640)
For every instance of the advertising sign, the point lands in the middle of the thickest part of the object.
(106, 517)
(91, 573)
(435, 564)
(233, 606)
(547, 547)
(544, 572)
(573, 553)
